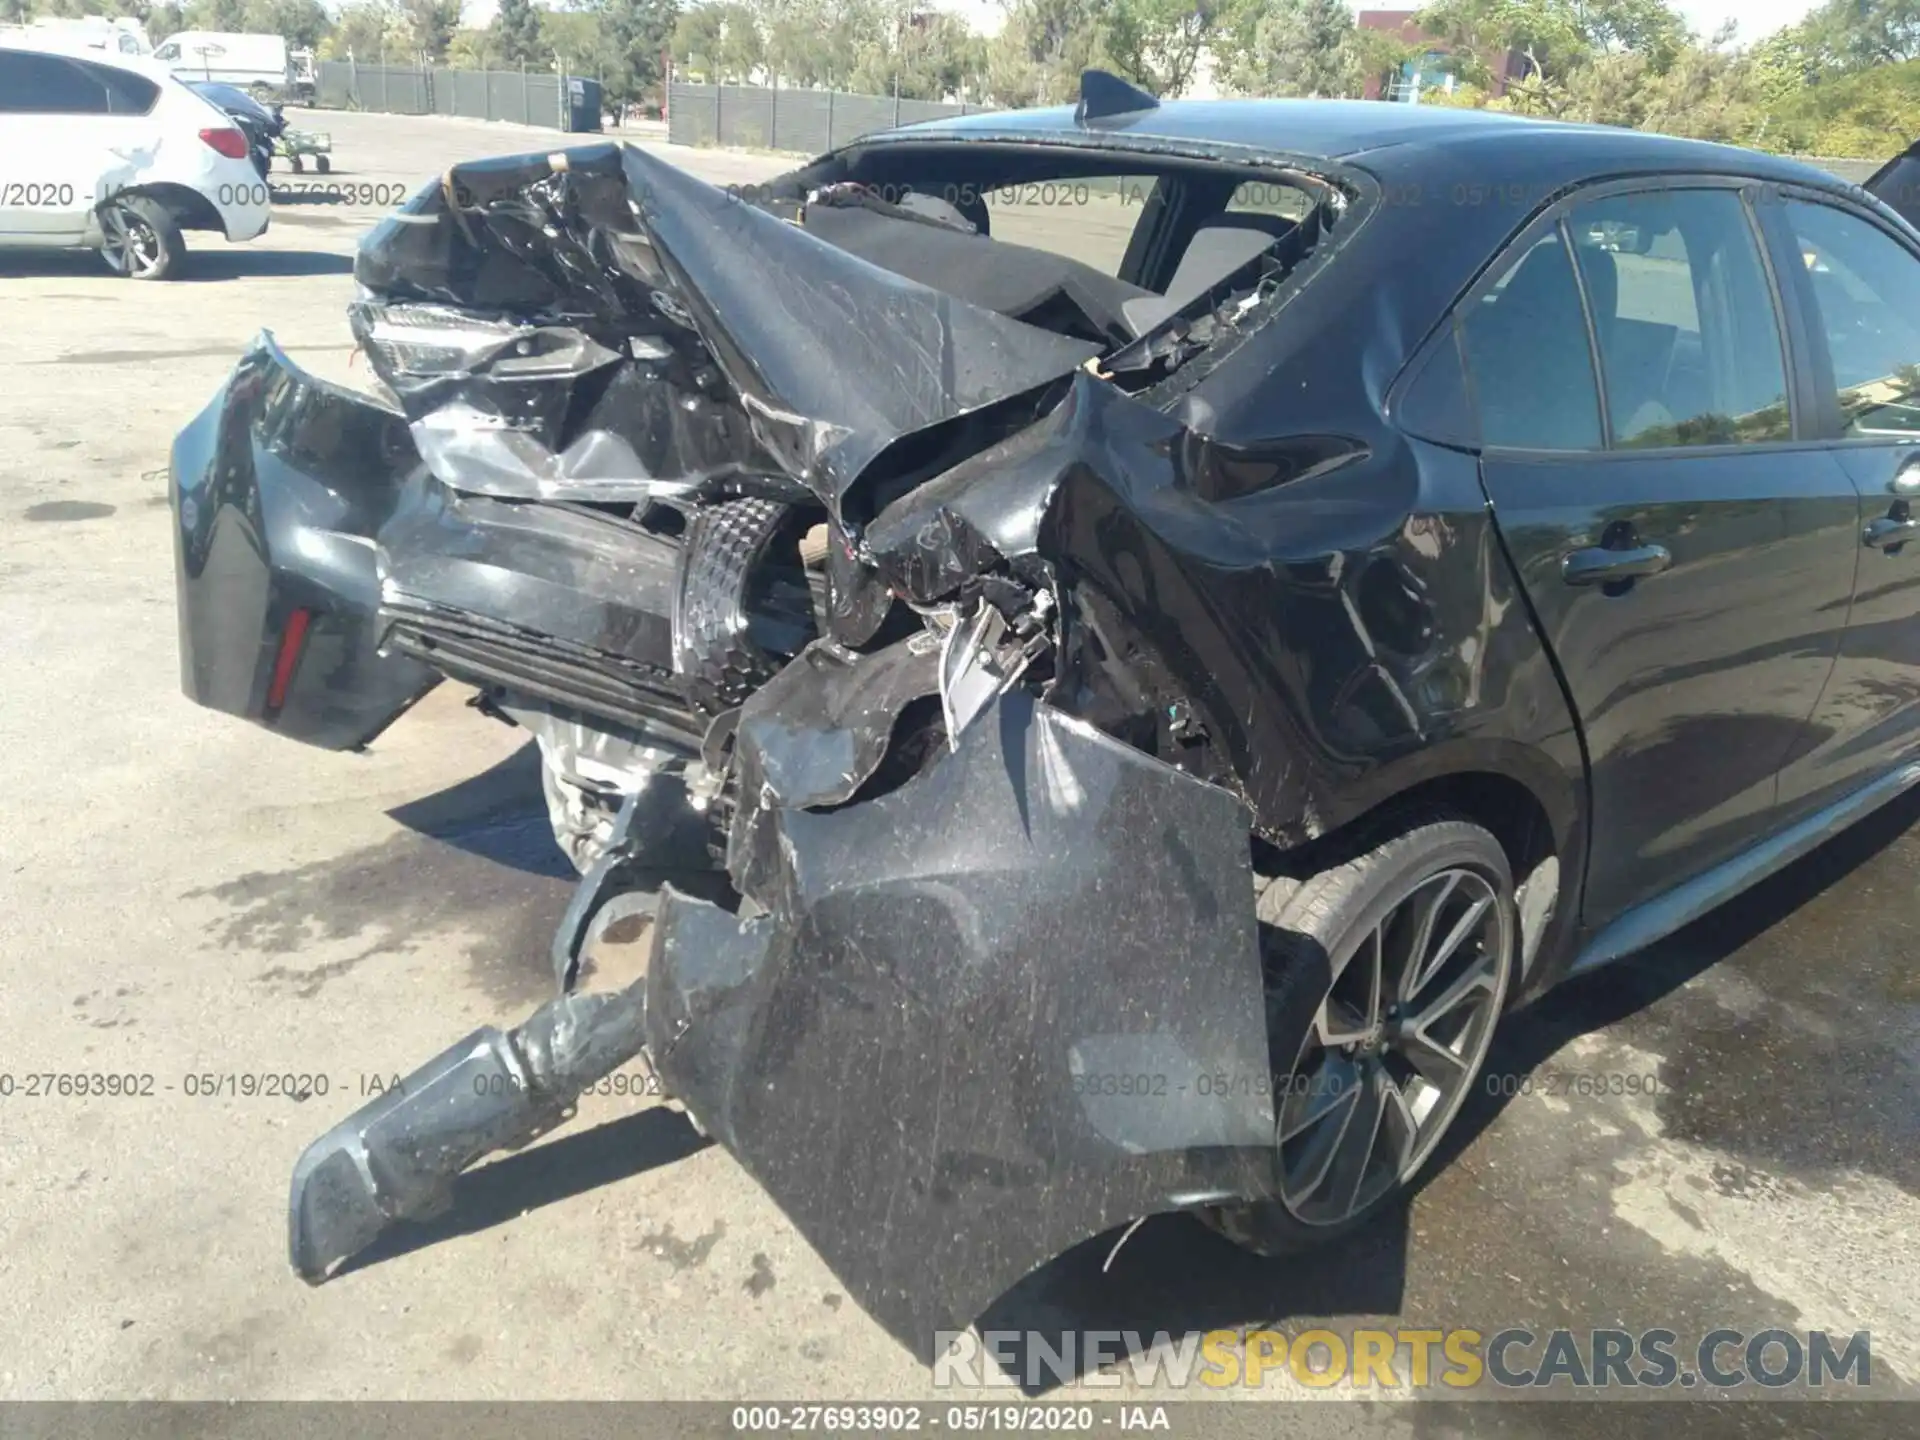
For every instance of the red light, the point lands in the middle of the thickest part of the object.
(228, 141)
(284, 664)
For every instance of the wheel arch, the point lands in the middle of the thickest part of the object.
(190, 209)
(1524, 798)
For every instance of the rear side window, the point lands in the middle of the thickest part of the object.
(54, 85)
(127, 94)
(1525, 345)
(46, 85)
(1898, 184)
(1866, 286)
(1689, 340)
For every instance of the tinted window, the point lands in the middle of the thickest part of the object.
(54, 85)
(47, 85)
(1867, 288)
(1527, 358)
(1689, 342)
(127, 94)
(1898, 184)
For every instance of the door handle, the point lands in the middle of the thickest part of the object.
(1600, 566)
(1890, 531)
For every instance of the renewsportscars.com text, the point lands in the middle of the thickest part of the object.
(1445, 1361)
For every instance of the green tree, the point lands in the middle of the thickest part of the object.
(304, 23)
(430, 25)
(515, 33)
(1850, 35)
(953, 58)
(1546, 33)
(1381, 54)
(721, 41)
(365, 31)
(634, 34)
(1870, 114)
(696, 39)
(1157, 43)
(473, 48)
(1555, 39)
(1295, 47)
(1782, 70)
(1038, 56)
(896, 49)
(1648, 27)
(1703, 92)
(937, 56)
(823, 42)
(568, 37)
(218, 15)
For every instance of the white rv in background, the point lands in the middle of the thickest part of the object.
(256, 63)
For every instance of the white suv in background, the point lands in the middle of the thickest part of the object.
(110, 152)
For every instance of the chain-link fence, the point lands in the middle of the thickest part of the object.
(559, 102)
(805, 122)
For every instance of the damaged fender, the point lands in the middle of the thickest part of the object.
(1010, 1004)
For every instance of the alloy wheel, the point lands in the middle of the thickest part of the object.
(129, 243)
(1395, 1046)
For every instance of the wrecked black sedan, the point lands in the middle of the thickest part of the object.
(1090, 741)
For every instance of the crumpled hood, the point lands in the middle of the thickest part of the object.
(792, 358)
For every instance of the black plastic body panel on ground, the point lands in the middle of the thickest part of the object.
(1005, 1007)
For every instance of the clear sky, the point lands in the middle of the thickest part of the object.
(1758, 18)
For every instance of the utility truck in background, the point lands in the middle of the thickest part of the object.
(259, 64)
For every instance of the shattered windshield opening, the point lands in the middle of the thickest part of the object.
(1156, 266)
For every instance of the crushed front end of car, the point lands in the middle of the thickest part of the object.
(953, 940)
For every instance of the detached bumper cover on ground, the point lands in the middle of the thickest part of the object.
(1005, 1007)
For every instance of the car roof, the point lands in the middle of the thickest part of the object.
(1379, 136)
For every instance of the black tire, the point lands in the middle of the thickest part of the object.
(322, 164)
(140, 238)
(1313, 932)
(297, 163)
